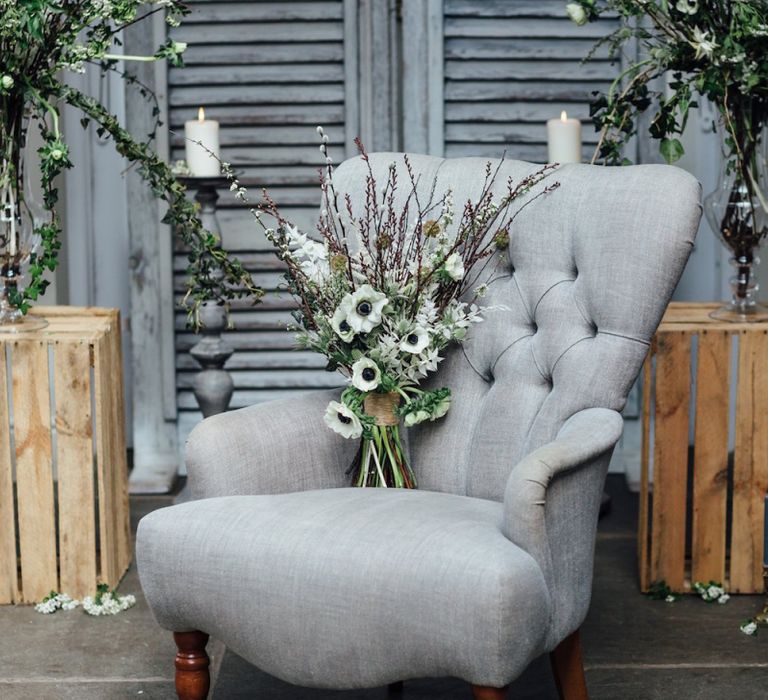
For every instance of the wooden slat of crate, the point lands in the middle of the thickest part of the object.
(645, 449)
(9, 577)
(74, 447)
(670, 458)
(750, 463)
(105, 454)
(710, 485)
(119, 457)
(34, 470)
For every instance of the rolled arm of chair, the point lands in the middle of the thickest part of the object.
(274, 447)
(551, 504)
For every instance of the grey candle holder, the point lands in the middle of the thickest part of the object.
(213, 385)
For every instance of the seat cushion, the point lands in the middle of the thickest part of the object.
(347, 588)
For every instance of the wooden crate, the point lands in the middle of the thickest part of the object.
(64, 521)
(696, 371)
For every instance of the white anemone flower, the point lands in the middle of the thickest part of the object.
(576, 12)
(454, 267)
(342, 420)
(703, 45)
(416, 341)
(339, 321)
(366, 306)
(366, 374)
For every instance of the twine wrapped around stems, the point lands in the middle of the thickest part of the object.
(382, 407)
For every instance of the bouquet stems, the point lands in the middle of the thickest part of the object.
(381, 460)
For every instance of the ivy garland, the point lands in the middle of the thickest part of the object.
(41, 39)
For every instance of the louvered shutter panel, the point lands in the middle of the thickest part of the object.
(511, 65)
(269, 72)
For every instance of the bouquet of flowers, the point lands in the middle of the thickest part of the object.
(384, 291)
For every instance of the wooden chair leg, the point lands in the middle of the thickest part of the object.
(483, 692)
(568, 669)
(193, 681)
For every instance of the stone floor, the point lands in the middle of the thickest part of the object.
(635, 648)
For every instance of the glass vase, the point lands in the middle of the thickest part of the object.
(21, 215)
(737, 211)
(381, 460)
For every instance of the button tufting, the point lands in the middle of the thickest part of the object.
(534, 327)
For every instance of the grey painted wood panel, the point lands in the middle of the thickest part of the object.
(517, 90)
(533, 9)
(258, 31)
(269, 72)
(503, 133)
(215, 11)
(494, 48)
(500, 112)
(310, 94)
(478, 70)
(518, 28)
(248, 54)
(511, 66)
(264, 359)
(278, 115)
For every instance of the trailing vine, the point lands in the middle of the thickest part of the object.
(39, 41)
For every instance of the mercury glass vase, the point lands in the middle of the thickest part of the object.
(737, 211)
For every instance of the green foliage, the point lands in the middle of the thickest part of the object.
(659, 590)
(40, 40)
(714, 49)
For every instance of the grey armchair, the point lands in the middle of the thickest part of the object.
(488, 564)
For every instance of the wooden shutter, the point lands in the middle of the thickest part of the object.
(507, 67)
(269, 72)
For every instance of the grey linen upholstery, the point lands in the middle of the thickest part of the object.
(489, 564)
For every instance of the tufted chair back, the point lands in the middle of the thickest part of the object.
(589, 273)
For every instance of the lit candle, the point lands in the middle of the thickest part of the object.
(205, 131)
(564, 140)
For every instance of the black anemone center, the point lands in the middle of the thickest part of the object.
(344, 419)
(364, 308)
(368, 374)
(343, 326)
(413, 339)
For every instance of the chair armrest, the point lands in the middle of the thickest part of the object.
(274, 447)
(551, 506)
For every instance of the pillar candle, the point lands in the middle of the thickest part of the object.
(206, 131)
(564, 140)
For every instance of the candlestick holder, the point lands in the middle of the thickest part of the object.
(213, 385)
(206, 189)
